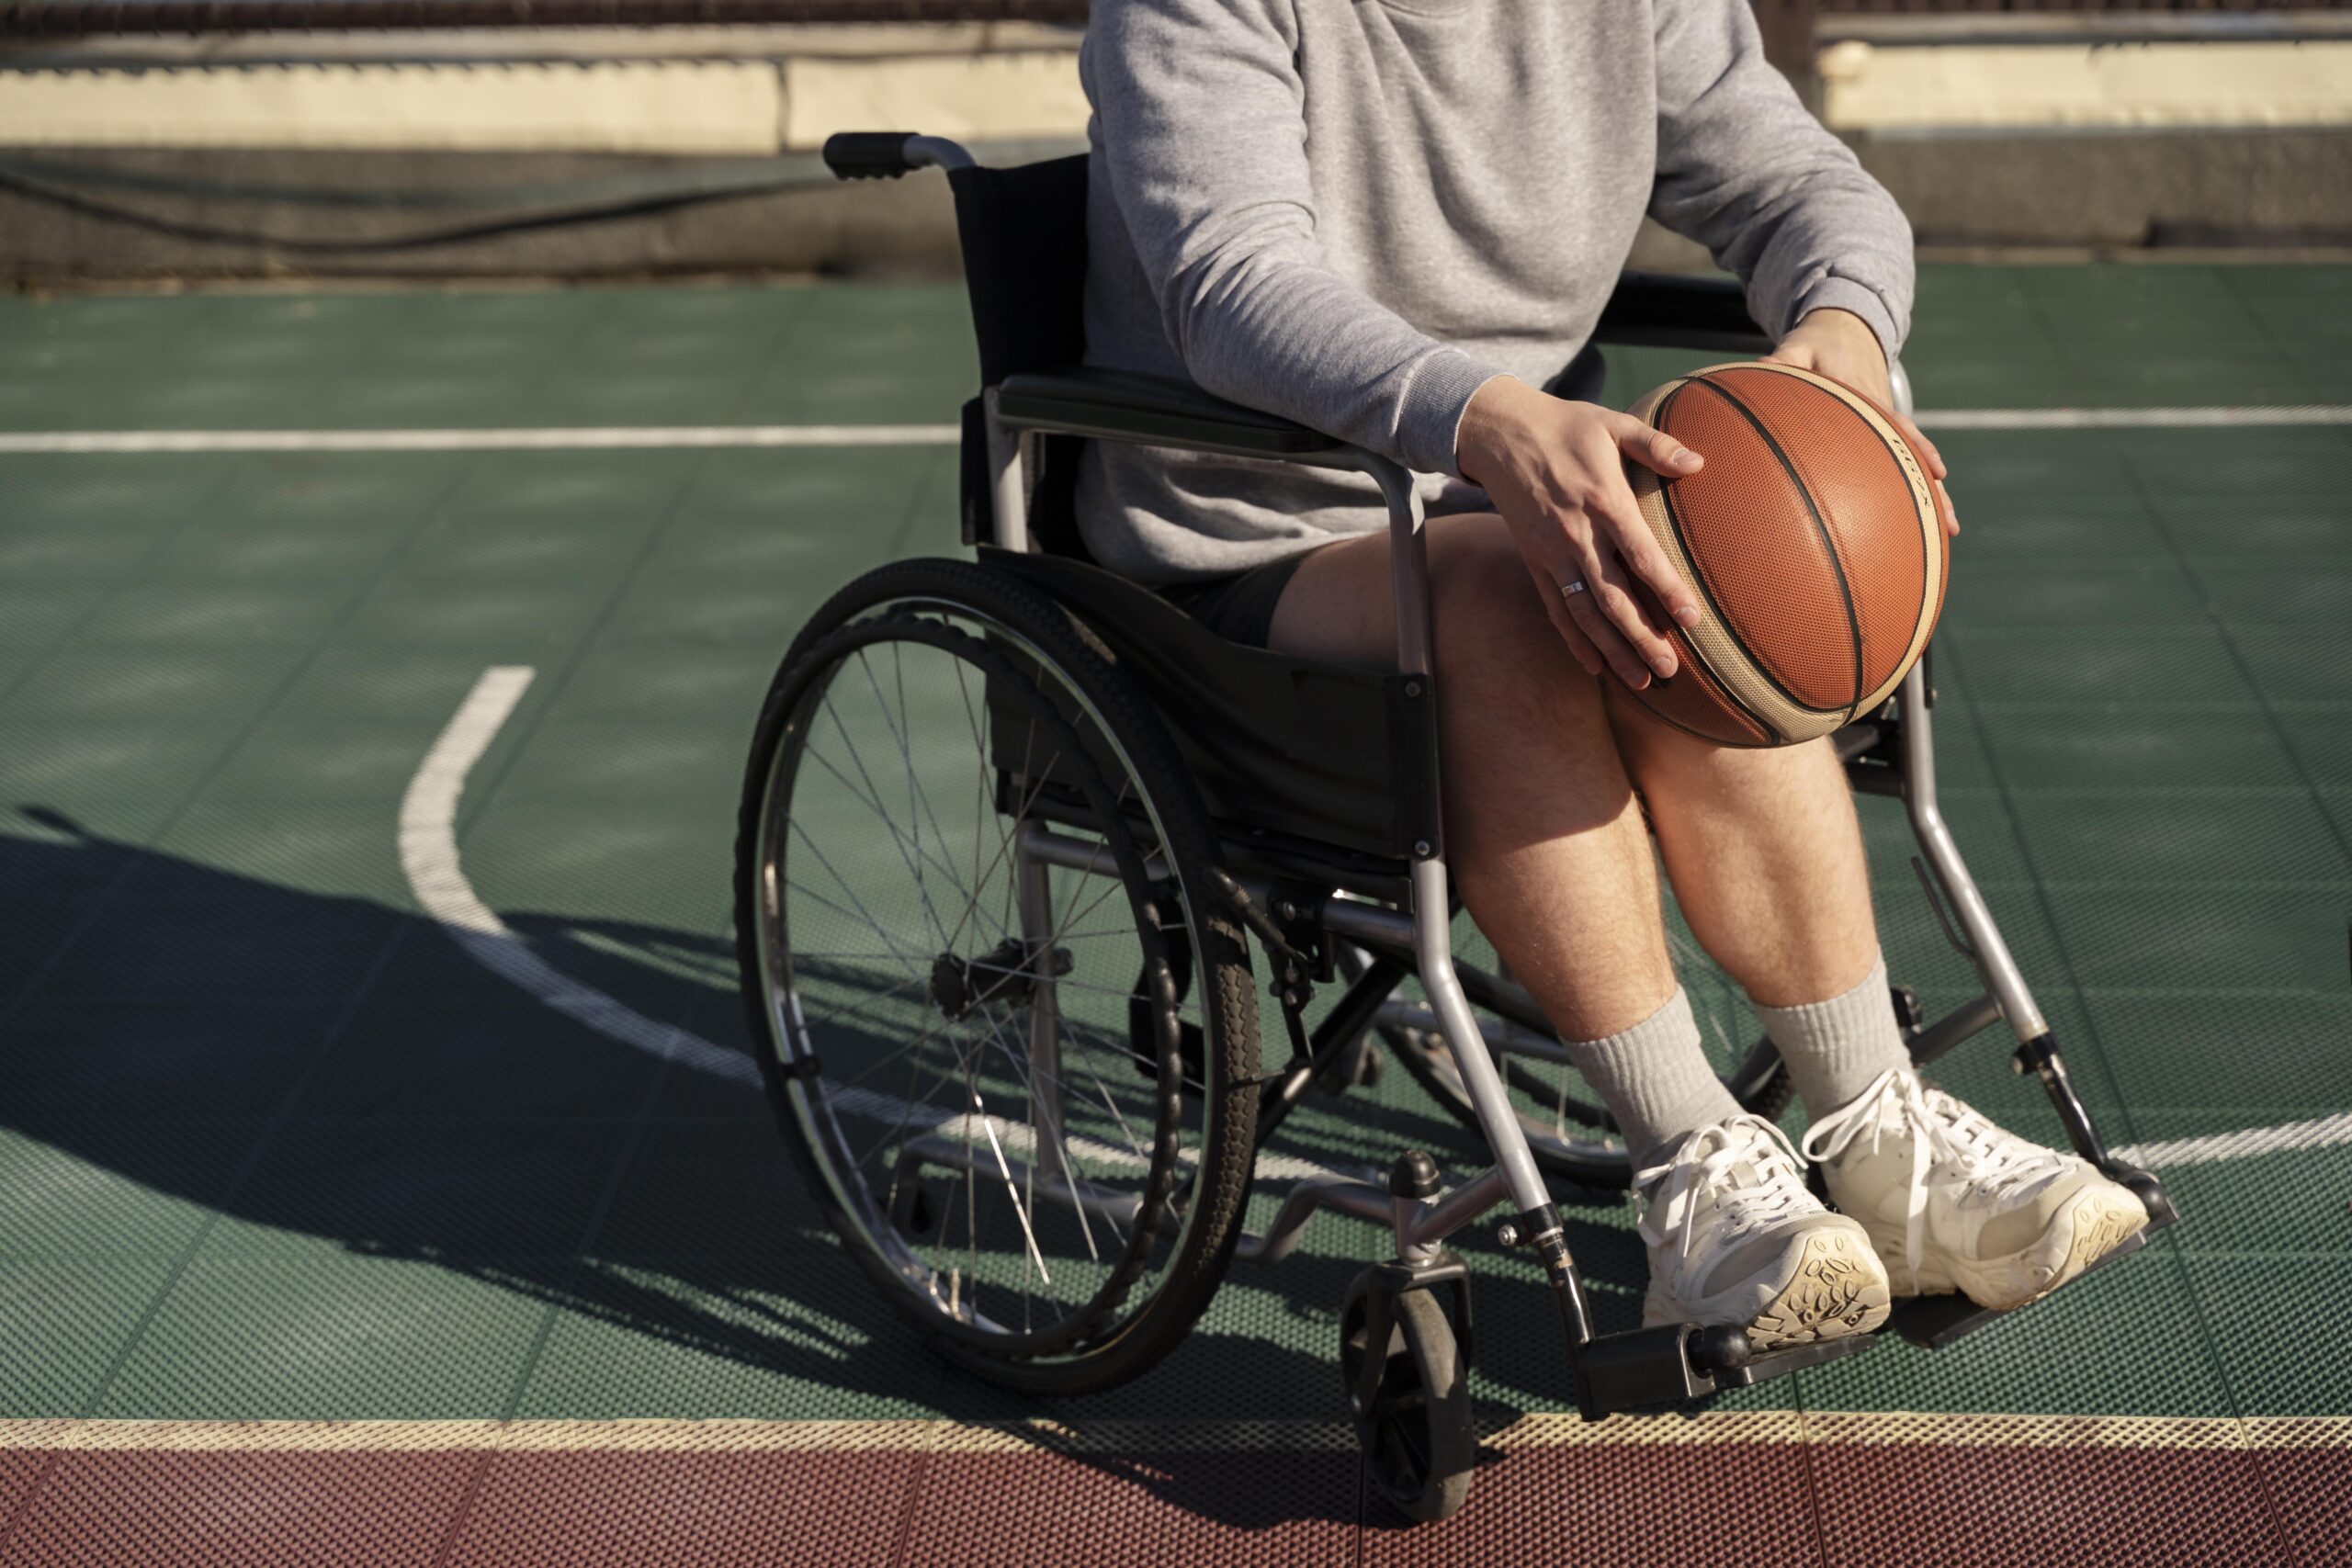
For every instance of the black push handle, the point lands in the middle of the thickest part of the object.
(868, 154)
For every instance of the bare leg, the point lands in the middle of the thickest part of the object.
(1542, 832)
(1548, 845)
(1764, 853)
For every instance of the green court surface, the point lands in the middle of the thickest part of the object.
(273, 1145)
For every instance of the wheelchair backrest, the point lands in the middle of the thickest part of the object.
(1023, 233)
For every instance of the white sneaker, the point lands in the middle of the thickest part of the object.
(1735, 1238)
(1965, 1205)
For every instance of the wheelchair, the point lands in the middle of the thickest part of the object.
(1010, 826)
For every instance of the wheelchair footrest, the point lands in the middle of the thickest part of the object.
(1677, 1363)
(1933, 1322)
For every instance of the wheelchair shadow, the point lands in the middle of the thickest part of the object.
(156, 1046)
(162, 1045)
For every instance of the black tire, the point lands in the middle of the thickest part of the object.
(1419, 1441)
(1180, 1133)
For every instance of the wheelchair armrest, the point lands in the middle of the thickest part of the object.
(1659, 309)
(1158, 411)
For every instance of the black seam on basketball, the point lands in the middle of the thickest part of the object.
(1828, 544)
(1925, 538)
(1671, 722)
(1674, 521)
(1772, 733)
(1926, 534)
(1904, 472)
(1730, 630)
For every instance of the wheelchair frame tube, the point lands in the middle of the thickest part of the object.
(1994, 966)
(1035, 893)
(1433, 945)
(1009, 497)
(1408, 566)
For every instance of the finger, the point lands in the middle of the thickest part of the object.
(1922, 445)
(1652, 447)
(1571, 560)
(1601, 607)
(1937, 471)
(1613, 586)
(1547, 589)
(1622, 662)
(1620, 516)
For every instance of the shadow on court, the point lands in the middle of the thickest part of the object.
(307, 1065)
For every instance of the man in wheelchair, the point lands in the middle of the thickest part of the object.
(1398, 223)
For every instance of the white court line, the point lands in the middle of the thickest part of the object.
(429, 844)
(429, 857)
(2134, 418)
(2326, 1132)
(624, 438)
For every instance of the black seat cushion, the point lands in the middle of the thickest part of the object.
(1327, 754)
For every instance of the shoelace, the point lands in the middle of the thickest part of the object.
(1946, 1138)
(1704, 1164)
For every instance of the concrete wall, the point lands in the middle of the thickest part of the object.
(2046, 144)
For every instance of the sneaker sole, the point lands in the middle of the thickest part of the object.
(2094, 1225)
(1837, 1288)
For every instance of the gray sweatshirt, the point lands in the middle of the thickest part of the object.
(1354, 213)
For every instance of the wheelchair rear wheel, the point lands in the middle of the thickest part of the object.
(1006, 1029)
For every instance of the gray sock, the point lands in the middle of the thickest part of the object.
(1835, 1049)
(1656, 1079)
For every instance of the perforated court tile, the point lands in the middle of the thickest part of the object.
(483, 1208)
(322, 1331)
(1275, 1507)
(1726, 1503)
(819, 1510)
(221, 1055)
(796, 1337)
(108, 1185)
(1923, 1503)
(70, 1320)
(385, 1508)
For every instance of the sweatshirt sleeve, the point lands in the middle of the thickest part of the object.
(1746, 171)
(1200, 115)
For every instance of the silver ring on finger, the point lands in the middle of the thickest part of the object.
(1570, 590)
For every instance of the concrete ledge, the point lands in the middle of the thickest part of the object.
(2052, 87)
(1011, 95)
(606, 106)
(2127, 191)
(2082, 195)
(873, 227)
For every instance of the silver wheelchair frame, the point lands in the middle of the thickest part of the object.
(1895, 755)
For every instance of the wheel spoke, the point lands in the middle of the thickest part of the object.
(897, 840)
(868, 801)
(995, 1104)
(1072, 1171)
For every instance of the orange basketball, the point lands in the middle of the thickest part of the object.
(1812, 539)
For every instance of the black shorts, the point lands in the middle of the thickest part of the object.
(1238, 607)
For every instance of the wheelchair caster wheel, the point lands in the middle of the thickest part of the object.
(1415, 1428)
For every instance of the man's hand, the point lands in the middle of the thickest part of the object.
(1840, 346)
(1556, 473)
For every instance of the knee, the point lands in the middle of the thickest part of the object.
(1666, 762)
(1494, 634)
